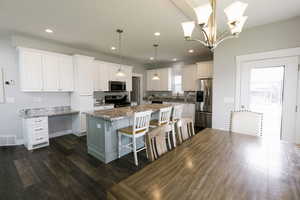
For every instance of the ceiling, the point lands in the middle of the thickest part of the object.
(91, 24)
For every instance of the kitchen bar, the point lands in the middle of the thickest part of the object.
(102, 126)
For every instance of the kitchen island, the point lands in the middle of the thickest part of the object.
(102, 126)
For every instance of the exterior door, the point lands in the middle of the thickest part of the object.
(270, 87)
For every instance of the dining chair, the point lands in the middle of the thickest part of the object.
(246, 122)
(141, 122)
(176, 115)
(156, 142)
(164, 115)
(184, 129)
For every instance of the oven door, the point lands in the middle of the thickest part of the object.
(117, 86)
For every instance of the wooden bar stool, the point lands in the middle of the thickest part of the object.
(163, 119)
(184, 129)
(141, 121)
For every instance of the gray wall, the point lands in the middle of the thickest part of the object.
(10, 122)
(280, 35)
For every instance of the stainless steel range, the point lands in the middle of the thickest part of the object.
(204, 103)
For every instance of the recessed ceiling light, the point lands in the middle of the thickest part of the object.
(48, 30)
(174, 59)
(157, 33)
(151, 58)
(113, 48)
(191, 51)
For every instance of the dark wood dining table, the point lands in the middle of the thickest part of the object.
(218, 165)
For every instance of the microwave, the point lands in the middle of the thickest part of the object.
(117, 86)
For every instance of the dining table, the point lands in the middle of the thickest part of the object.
(218, 165)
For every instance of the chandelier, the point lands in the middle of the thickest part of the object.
(206, 17)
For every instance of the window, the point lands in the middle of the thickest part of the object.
(177, 79)
(177, 87)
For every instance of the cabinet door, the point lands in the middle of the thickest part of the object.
(165, 80)
(51, 72)
(66, 70)
(96, 76)
(189, 77)
(85, 77)
(31, 72)
(103, 76)
(149, 79)
(128, 77)
(205, 69)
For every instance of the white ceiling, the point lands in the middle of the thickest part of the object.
(91, 24)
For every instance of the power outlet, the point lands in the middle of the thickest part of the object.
(98, 125)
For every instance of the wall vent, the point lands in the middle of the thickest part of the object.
(8, 140)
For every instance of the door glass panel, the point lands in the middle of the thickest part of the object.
(266, 93)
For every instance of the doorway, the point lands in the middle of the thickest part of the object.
(136, 90)
(266, 96)
(270, 87)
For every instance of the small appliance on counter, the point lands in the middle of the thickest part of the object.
(204, 103)
(120, 100)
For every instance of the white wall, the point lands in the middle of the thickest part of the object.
(280, 35)
(10, 122)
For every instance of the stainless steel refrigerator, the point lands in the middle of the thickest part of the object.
(204, 103)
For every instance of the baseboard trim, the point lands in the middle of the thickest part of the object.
(60, 133)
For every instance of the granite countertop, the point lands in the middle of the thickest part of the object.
(103, 104)
(125, 112)
(171, 99)
(47, 112)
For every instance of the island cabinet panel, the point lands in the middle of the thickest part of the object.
(102, 138)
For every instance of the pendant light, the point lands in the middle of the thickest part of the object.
(120, 73)
(156, 76)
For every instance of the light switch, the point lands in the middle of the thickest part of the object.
(10, 100)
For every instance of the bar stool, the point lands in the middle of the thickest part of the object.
(163, 119)
(141, 121)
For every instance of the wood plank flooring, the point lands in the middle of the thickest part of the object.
(64, 170)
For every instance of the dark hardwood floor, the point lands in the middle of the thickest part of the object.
(64, 170)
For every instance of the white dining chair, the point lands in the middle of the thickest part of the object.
(164, 116)
(141, 122)
(246, 122)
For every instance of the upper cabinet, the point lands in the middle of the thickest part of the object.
(105, 72)
(45, 71)
(189, 77)
(84, 75)
(31, 70)
(205, 69)
(165, 80)
(101, 76)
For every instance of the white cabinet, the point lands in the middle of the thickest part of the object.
(189, 76)
(66, 74)
(45, 71)
(165, 80)
(35, 131)
(84, 74)
(111, 71)
(31, 73)
(205, 69)
(51, 74)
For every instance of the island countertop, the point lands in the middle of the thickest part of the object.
(125, 112)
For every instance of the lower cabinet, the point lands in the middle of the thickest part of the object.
(36, 133)
(188, 109)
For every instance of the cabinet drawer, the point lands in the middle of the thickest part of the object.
(41, 121)
(40, 139)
